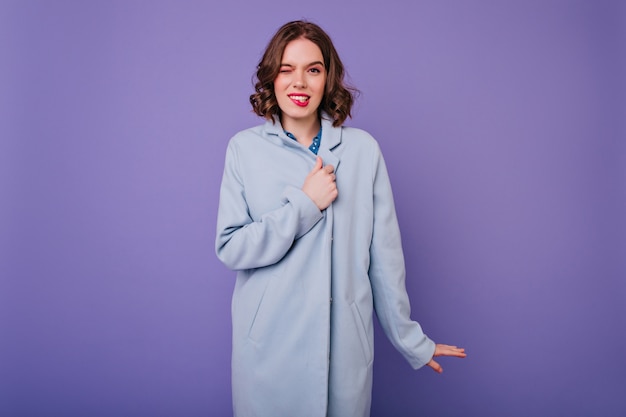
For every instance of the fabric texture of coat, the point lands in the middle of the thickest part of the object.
(308, 281)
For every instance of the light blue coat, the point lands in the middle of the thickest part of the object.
(308, 281)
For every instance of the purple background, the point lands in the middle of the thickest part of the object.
(504, 127)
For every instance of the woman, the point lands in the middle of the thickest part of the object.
(307, 218)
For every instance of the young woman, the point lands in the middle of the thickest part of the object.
(307, 218)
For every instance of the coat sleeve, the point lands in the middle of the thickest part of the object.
(241, 242)
(387, 276)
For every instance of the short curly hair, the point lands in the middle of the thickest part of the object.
(338, 97)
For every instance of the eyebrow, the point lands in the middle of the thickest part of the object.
(310, 65)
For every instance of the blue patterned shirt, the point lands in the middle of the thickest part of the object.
(315, 145)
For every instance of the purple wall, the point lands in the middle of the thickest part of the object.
(504, 128)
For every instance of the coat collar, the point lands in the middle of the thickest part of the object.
(331, 138)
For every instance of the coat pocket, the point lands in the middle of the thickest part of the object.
(361, 330)
(253, 331)
(260, 326)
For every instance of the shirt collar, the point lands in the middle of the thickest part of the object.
(315, 145)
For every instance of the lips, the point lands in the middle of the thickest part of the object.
(300, 100)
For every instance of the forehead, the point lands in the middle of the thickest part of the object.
(302, 51)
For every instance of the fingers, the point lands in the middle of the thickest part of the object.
(329, 169)
(320, 184)
(445, 350)
(318, 164)
(449, 350)
(316, 168)
(435, 366)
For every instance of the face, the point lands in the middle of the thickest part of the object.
(299, 86)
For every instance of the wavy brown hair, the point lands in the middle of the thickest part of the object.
(338, 97)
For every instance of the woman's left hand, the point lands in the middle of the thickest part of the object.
(445, 350)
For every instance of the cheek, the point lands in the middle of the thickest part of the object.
(320, 86)
(280, 83)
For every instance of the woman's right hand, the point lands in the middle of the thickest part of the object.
(320, 185)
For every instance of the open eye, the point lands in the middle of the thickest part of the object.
(316, 69)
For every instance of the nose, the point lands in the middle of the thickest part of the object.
(299, 81)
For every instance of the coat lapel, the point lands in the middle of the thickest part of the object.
(331, 138)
